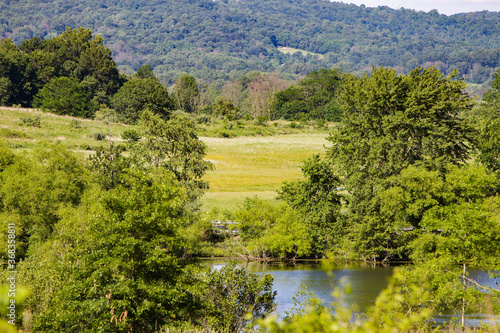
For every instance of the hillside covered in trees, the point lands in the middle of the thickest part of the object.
(224, 39)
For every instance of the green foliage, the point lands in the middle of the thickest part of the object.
(226, 109)
(315, 96)
(187, 93)
(391, 122)
(123, 273)
(10, 133)
(131, 135)
(98, 136)
(236, 298)
(65, 96)
(137, 95)
(34, 189)
(261, 121)
(108, 165)
(75, 54)
(174, 145)
(488, 144)
(275, 231)
(492, 97)
(15, 75)
(31, 121)
(454, 214)
(75, 123)
(227, 39)
(145, 72)
(317, 200)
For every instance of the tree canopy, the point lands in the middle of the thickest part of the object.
(390, 123)
(225, 39)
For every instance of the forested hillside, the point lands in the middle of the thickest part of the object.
(224, 39)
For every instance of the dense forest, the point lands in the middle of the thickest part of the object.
(225, 39)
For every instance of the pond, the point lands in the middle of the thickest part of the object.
(366, 280)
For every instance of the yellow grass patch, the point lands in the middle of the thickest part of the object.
(256, 166)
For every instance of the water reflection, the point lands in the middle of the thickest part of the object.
(366, 280)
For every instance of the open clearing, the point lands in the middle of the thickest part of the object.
(246, 166)
(256, 166)
(291, 50)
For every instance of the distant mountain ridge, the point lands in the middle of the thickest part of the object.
(226, 38)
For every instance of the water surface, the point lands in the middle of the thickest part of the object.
(366, 281)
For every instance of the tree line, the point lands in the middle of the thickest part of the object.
(75, 74)
(225, 39)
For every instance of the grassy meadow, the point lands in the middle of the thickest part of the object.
(245, 166)
(76, 134)
(291, 50)
(256, 166)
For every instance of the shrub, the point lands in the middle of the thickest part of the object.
(131, 135)
(99, 136)
(203, 119)
(261, 121)
(31, 121)
(13, 134)
(232, 293)
(65, 96)
(75, 123)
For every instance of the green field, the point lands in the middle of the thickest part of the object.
(246, 166)
(256, 166)
(291, 50)
(75, 133)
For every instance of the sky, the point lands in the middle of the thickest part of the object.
(448, 7)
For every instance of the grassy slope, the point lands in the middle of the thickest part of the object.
(245, 165)
(249, 166)
(291, 50)
(75, 133)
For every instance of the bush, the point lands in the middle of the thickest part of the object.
(13, 134)
(31, 121)
(203, 119)
(65, 96)
(85, 146)
(320, 123)
(99, 136)
(75, 123)
(232, 293)
(131, 135)
(225, 134)
(261, 120)
(137, 95)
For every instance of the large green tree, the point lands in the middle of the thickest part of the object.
(187, 93)
(317, 199)
(393, 121)
(315, 97)
(137, 95)
(460, 222)
(76, 53)
(117, 255)
(66, 96)
(16, 76)
(34, 188)
(175, 146)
